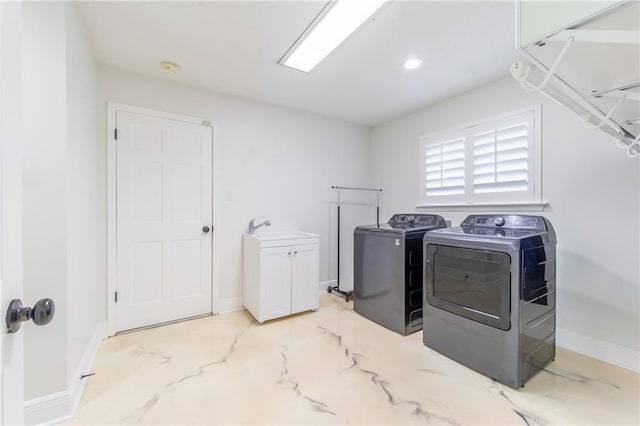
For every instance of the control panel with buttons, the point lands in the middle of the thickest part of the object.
(413, 219)
(505, 221)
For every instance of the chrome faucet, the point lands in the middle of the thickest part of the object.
(253, 228)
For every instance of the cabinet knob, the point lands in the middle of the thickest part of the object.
(295, 252)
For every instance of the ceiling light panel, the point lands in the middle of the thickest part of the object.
(333, 27)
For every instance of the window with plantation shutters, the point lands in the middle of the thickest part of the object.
(493, 161)
(444, 166)
(500, 160)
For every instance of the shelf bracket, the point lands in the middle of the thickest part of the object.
(587, 116)
(627, 91)
(633, 149)
(523, 74)
(599, 36)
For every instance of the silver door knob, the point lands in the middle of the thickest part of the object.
(42, 313)
(206, 229)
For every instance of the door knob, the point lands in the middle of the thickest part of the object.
(206, 229)
(41, 313)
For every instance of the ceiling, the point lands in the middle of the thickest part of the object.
(233, 47)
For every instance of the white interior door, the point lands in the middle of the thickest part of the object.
(11, 345)
(163, 202)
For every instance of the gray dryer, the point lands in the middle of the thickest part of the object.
(490, 294)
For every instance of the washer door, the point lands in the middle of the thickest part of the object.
(475, 284)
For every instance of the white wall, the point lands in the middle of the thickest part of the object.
(85, 209)
(275, 164)
(587, 181)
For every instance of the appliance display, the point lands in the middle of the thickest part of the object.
(489, 294)
(388, 270)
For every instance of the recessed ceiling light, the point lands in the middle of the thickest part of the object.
(172, 67)
(330, 28)
(412, 63)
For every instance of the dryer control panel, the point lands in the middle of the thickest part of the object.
(531, 223)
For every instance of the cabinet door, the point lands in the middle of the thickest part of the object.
(275, 286)
(304, 278)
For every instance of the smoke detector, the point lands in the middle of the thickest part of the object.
(172, 67)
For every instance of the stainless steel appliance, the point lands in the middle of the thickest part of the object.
(388, 270)
(490, 294)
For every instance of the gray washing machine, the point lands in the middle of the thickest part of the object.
(490, 295)
(388, 270)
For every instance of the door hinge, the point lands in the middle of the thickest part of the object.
(115, 134)
(116, 297)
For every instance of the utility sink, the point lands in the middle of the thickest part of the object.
(282, 238)
(280, 273)
(281, 235)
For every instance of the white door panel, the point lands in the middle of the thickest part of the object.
(189, 266)
(304, 278)
(164, 199)
(145, 256)
(188, 193)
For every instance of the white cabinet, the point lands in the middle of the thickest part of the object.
(281, 273)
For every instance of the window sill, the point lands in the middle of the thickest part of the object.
(485, 207)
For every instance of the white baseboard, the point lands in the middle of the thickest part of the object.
(62, 406)
(48, 409)
(322, 287)
(230, 305)
(605, 351)
(76, 385)
(233, 304)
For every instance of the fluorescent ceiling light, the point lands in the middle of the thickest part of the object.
(412, 63)
(330, 29)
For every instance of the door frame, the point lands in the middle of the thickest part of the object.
(112, 108)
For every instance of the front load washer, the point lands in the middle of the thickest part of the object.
(388, 270)
(490, 294)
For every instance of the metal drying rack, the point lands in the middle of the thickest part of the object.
(349, 294)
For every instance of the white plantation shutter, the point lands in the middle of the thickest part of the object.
(444, 168)
(500, 160)
(494, 161)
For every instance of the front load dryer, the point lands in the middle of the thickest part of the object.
(490, 294)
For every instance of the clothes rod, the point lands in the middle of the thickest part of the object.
(349, 294)
(355, 188)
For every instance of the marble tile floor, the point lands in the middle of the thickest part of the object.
(331, 366)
